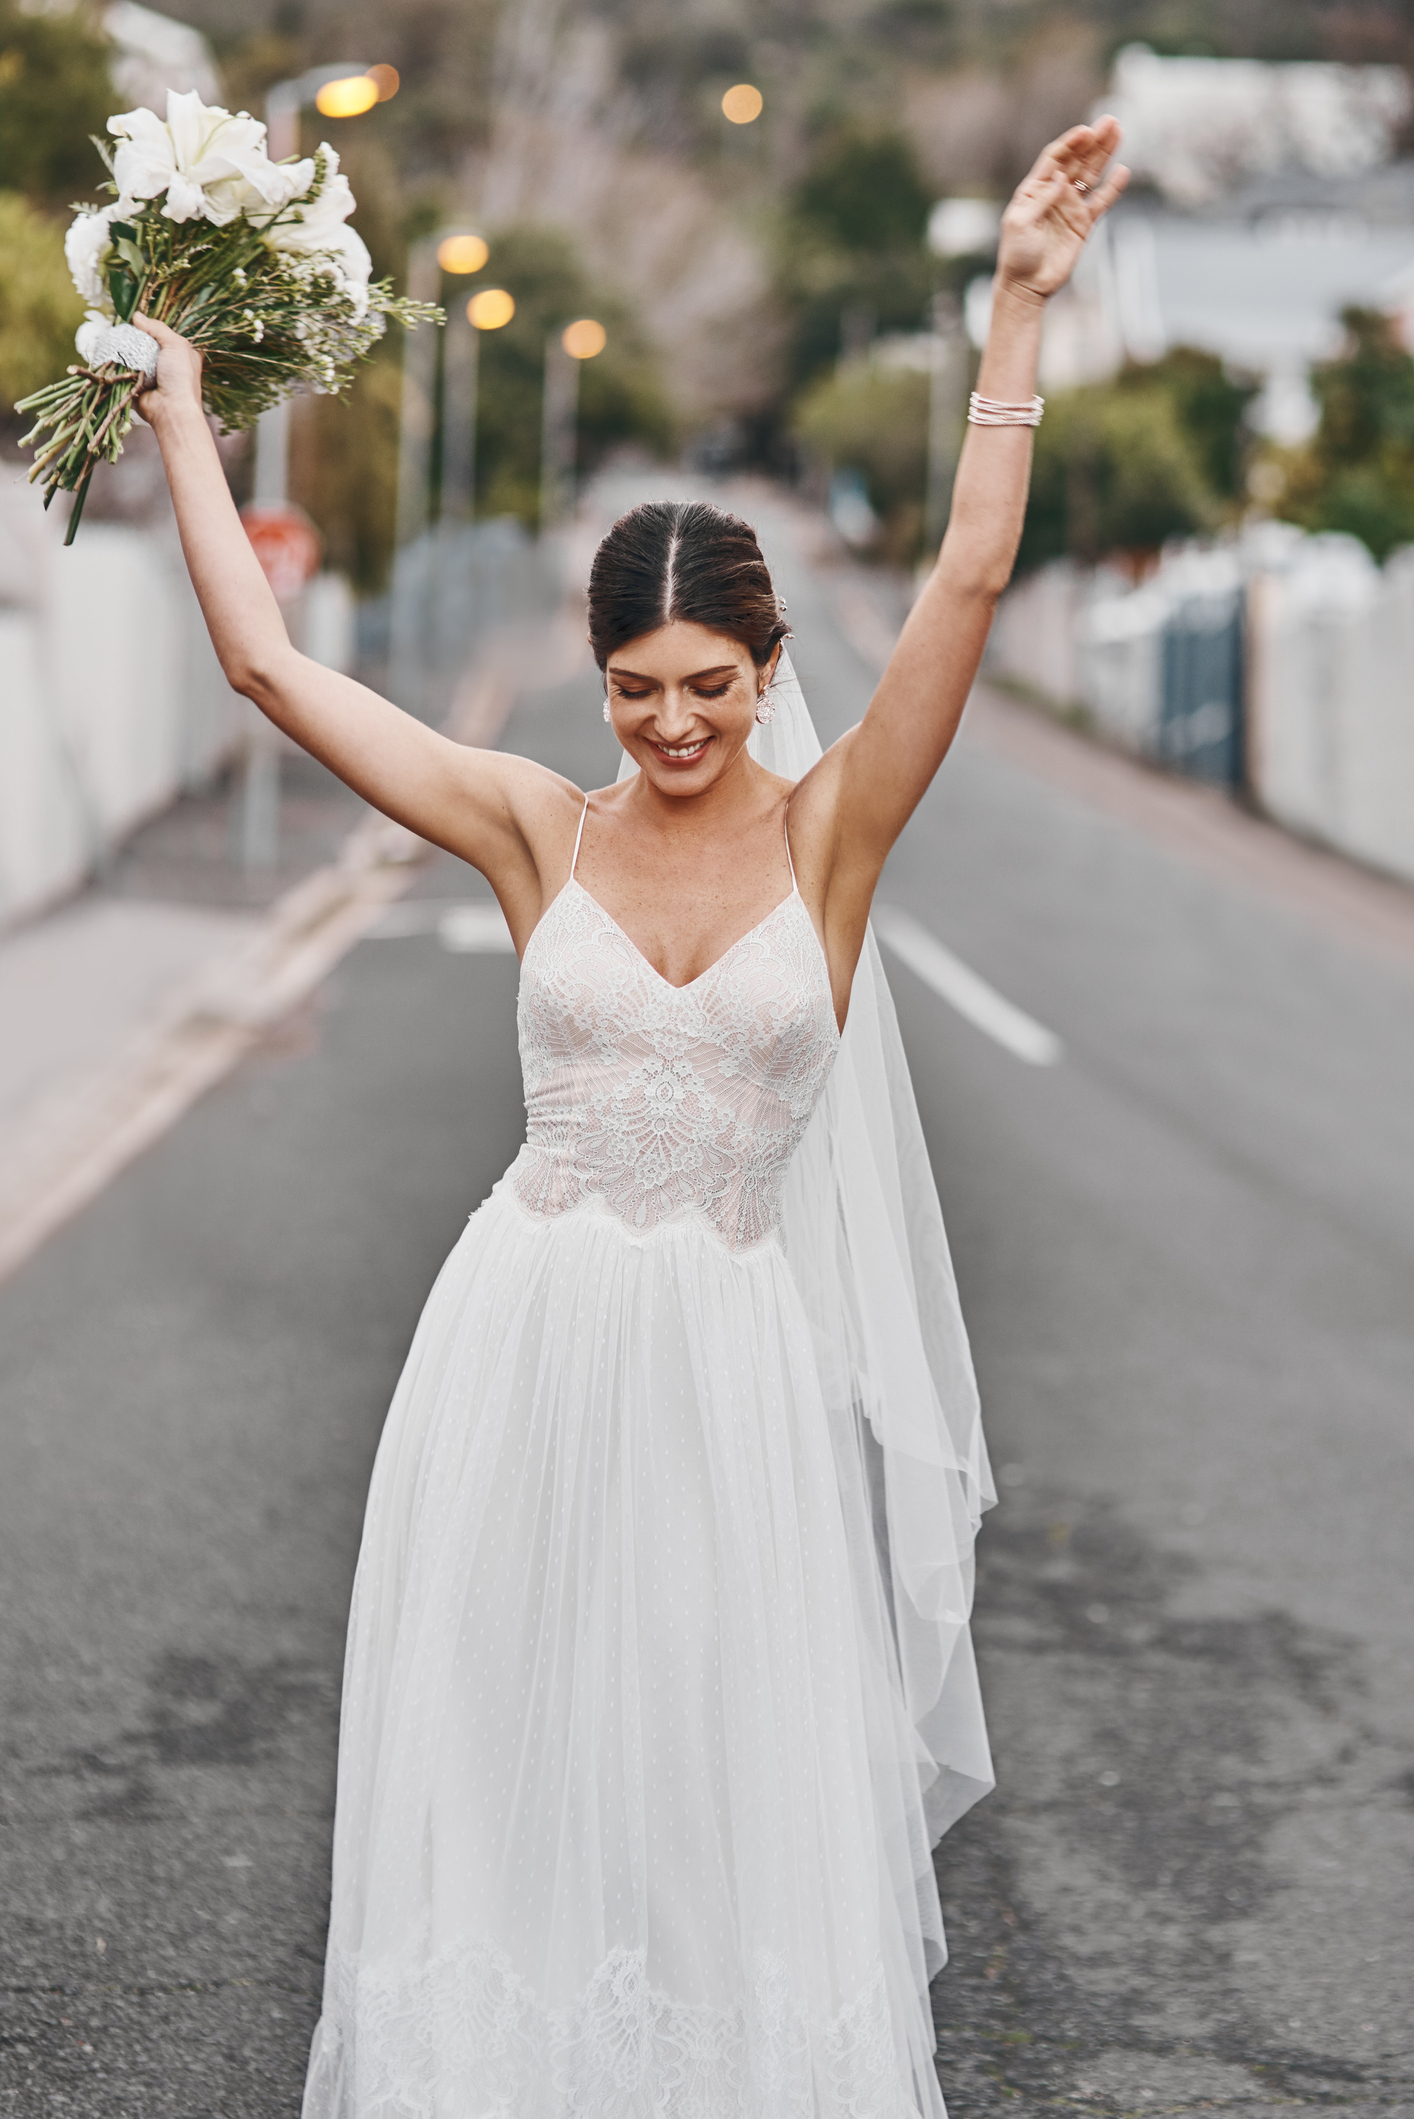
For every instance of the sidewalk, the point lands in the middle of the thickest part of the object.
(123, 1006)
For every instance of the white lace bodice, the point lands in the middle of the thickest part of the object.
(664, 1103)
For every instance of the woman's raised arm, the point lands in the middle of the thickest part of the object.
(489, 808)
(885, 764)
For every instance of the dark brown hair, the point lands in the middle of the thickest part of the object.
(682, 559)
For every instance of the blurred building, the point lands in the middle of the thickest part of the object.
(1265, 200)
(152, 53)
(1195, 129)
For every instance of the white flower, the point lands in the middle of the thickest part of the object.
(86, 338)
(203, 162)
(86, 248)
(317, 231)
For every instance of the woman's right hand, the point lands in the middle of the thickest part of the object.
(177, 385)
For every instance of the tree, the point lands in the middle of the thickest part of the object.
(1357, 472)
(620, 398)
(54, 91)
(1210, 403)
(1114, 471)
(851, 247)
(874, 420)
(39, 310)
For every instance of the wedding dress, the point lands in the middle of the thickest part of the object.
(658, 1685)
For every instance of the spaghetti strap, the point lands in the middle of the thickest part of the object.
(580, 834)
(785, 825)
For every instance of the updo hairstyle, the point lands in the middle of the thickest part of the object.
(681, 559)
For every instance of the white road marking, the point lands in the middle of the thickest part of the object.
(472, 929)
(957, 984)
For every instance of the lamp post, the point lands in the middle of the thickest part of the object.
(342, 91)
(460, 254)
(958, 228)
(564, 355)
(947, 405)
(488, 309)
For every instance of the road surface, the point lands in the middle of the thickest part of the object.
(1185, 1250)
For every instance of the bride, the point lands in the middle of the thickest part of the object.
(658, 1687)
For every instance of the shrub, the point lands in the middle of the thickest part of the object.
(1357, 472)
(1115, 471)
(39, 310)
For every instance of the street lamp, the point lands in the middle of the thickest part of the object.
(458, 252)
(458, 255)
(342, 91)
(580, 341)
(743, 104)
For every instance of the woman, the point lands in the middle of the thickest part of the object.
(658, 1685)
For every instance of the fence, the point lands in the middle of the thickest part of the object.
(1280, 664)
(112, 701)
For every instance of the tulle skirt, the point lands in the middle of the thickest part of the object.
(628, 1820)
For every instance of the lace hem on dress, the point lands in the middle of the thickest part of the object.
(461, 2036)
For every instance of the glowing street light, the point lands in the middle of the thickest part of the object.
(348, 97)
(583, 339)
(491, 308)
(579, 342)
(460, 254)
(743, 104)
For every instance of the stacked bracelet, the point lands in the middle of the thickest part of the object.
(991, 412)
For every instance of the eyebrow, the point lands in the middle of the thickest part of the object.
(720, 669)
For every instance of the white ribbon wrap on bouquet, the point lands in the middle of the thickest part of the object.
(121, 345)
(865, 1239)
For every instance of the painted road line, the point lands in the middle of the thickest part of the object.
(467, 929)
(472, 930)
(962, 989)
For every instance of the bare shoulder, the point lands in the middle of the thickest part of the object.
(520, 795)
(520, 825)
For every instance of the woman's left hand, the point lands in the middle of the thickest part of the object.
(1053, 210)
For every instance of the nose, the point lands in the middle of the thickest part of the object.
(676, 716)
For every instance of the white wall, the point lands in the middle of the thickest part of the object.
(1331, 698)
(112, 701)
(111, 698)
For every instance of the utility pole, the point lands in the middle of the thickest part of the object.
(559, 419)
(416, 420)
(565, 354)
(342, 91)
(947, 407)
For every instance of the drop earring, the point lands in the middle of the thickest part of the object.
(766, 706)
(607, 715)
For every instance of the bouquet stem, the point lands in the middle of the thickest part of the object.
(76, 512)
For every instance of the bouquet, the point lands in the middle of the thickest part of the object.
(252, 260)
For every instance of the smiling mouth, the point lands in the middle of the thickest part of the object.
(681, 751)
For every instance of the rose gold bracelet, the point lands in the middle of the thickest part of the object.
(991, 412)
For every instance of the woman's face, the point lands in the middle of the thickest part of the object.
(683, 702)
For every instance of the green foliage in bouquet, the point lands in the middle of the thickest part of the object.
(249, 259)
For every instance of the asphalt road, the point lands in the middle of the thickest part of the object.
(1185, 1253)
